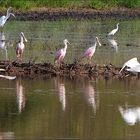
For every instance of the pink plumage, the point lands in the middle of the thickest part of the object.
(91, 50)
(20, 46)
(60, 54)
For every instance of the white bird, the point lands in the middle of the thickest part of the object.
(114, 30)
(135, 69)
(60, 54)
(113, 43)
(4, 18)
(20, 46)
(130, 63)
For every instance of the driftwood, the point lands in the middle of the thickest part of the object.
(32, 69)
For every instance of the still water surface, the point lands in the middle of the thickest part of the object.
(71, 108)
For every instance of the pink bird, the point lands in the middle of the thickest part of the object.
(91, 50)
(60, 54)
(20, 46)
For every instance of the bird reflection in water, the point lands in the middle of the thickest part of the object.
(61, 91)
(113, 44)
(130, 115)
(3, 44)
(7, 135)
(90, 95)
(20, 96)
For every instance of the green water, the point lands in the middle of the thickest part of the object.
(45, 37)
(70, 108)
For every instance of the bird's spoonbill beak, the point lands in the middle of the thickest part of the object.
(98, 41)
(13, 15)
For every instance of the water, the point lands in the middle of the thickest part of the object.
(71, 108)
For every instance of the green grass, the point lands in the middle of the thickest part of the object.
(94, 4)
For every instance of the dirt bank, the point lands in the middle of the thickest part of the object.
(79, 14)
(33, 70)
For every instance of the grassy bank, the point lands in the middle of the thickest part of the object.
(94, 4)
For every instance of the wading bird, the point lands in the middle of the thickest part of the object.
(114, 30)
(60, 54)
(4, 18)
(91, 50)
(20, 46)
(132, 64)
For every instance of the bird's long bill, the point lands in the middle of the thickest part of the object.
(13, 15)
(24, 38)
(99, 42)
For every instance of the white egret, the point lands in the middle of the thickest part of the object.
(130, 63)
(114, 30)
(4, 18)
(20, 46)
(60, 54)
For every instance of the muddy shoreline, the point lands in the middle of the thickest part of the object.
(78, 14)
(34, 70)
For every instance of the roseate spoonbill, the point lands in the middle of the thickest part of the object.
(20, 46)
(130, 63)
(4, 18)
(114, 30)
(60, 54)
(91, 50)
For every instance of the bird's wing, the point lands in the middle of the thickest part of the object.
(130, 63)
(134, 69)
(88, 51)
(58, 53)
(112, 32)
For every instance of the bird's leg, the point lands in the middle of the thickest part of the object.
(21, 57)
(89, 61)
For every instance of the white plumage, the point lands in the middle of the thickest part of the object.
(114, 30)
